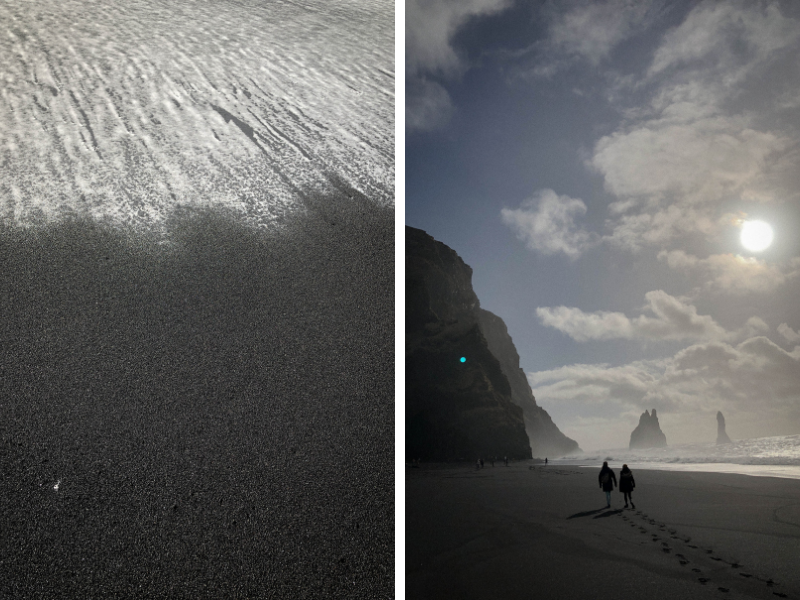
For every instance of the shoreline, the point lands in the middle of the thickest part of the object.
(752, 470)
(515, 531)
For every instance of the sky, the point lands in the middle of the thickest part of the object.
(595, 163)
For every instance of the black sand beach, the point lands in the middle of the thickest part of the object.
(213, 418)
(545, 533)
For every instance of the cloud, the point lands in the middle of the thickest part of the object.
(590, 30)
(716, 34)
(755, 383)
(673, 319)
(710, 132)
(430, 27)
(546, 223)
(428, 105)
(705, 158)
(790, 334)
(732, 273)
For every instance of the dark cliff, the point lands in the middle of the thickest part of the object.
(454, 409)
(648, 434)
(546, 439)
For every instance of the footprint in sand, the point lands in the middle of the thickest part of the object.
(745, 574)
(779, 595)
(680, 556)
(703, 579)
(685, 562)
(666, 550)
(722, 589)
(665, 544)
(690, 546)
(717, 558)
(673, 531)
(696, 571)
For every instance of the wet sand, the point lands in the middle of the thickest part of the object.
(212, 418)
(545, 533)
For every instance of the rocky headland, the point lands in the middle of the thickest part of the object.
(545, 437)
(461, 402)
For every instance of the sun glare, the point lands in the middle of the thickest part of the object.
(756, 235)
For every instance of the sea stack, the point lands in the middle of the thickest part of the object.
(722, 437)
(648, 434)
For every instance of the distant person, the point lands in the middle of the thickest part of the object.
(478, 464)
(607, 481)
(492, 459)
(481, 463)
(545, 461)
(505, 458)
(626, 484)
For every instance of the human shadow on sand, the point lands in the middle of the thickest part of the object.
(608, 513)
(586, 514)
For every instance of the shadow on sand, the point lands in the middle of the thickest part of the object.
(608, 513)
(586, 514)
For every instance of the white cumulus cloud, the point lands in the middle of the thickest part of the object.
(732, 273)
(790, 334)
(546, 223)
(672, 319)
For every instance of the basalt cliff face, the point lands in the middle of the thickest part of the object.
(546, 439)
(648, 434)
(454, 409)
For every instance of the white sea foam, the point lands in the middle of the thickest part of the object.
(777, 456)
(125, 110)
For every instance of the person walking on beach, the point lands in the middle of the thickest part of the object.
(626, 484)
(545, 461)
(607, 481)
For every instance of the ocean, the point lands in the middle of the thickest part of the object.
(777, 456)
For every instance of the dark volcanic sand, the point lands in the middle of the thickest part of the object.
(514, 533)
(219, 412)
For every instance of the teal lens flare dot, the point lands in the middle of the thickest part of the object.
(463, 359)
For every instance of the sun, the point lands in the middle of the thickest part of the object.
(756, 235)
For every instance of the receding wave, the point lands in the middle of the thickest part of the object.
(124, 110)
(777, 450)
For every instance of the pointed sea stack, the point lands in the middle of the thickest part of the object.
(648, 434)
(722, 437)
(460, 403)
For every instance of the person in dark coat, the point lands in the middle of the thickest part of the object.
(626, 484)
(608, 482)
